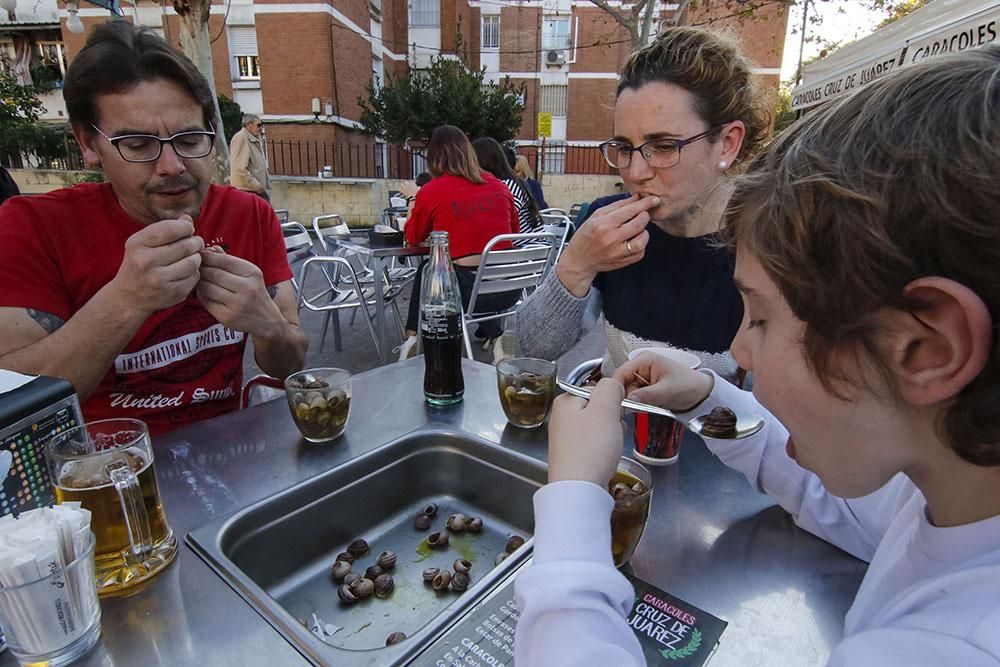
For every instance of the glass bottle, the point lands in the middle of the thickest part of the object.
(441, 326)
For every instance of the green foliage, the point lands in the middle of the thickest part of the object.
(447, 93)
(232, 117)
(21, 132)
(783, 114)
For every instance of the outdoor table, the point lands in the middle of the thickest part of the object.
(711, 540)
(382, 257)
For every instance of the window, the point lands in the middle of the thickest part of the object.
(248, 67)
(52, 64)
(425, 13)
(555, 158)
(491, 32)
(555, 34)
(243, 47)
(552, 99)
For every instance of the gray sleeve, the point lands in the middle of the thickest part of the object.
(552, 319)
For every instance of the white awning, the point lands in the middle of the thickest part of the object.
(940, 27)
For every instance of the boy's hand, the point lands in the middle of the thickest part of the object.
(585, 437)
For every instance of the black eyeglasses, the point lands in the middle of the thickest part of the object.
(148, 147)
(658, 153)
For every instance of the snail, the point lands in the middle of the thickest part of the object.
(384, 585)
(438, 540)
(430, 509)
(346, 557)
(373, 572)
(501, 557)
(462, 565)
(514, 543)
(386, 560)
(341, 569)
(430, 573)
(351, 578)
(357, 548)
(345, 594)
(441, 580)
(363, 587)
(457, 522)
(460, 581)
(475, 524)
(720, 423)
(422, 522)
(395, 638)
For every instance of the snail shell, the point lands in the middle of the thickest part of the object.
(346, 557)
(475, 524)
(422, 522)
(386, 560)
(373, 572)
(460, 581)
(438, 539)
(462, 565)
(430, 509)
(345, 594)
(430, 573)
(501, 557)
(441, 580)
(384, 585)
(341, 569)
(351, 577)
(514, 543)
(357, 548)
(458, 522)
(395, 638)
(363, 587)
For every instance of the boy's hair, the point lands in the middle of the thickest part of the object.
(450, 152)
(711, 68)
(116, 58)
(852, 203)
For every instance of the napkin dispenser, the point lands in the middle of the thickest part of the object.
(383, 235)
(32, 409)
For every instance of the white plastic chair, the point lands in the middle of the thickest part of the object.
(517, 270)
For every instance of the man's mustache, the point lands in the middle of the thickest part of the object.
(183, 183)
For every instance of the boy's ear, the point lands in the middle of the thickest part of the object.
(940, 346)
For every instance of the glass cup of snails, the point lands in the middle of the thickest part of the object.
(527, 387)
(320, 402)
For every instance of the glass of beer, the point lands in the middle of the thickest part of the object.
(632, 489)
(107, 466)
(527, 387)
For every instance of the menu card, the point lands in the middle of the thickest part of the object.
(671, 631)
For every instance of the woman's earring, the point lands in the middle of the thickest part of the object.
(723, 165)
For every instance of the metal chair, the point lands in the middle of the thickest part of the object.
(343, 291)
(298, 245)
(501, 271)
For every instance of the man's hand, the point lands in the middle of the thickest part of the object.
(233, 291)
(614, 237)
(585, 437)
(161, 264)
(653, 379)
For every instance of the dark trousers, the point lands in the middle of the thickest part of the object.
(485, 303)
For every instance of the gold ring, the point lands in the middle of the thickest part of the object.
(628, 247)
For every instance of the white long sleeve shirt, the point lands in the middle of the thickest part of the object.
(931, 595)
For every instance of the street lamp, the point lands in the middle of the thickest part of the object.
(73, 22)
(9, 5)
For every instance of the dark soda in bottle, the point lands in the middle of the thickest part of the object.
(441, 326)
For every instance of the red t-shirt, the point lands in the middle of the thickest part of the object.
(471, 214)
(58, 249)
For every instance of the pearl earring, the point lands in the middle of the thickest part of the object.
(723, 165)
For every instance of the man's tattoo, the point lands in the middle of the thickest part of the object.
(48, 321)
(272, 290)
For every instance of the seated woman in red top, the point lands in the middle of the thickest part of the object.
(472, 206)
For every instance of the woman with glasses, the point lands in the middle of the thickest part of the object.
(686, 111)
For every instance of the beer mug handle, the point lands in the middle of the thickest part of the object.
(136, 519)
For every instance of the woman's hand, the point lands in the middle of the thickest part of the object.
(653, 379)
(614, 237)
(585, 437)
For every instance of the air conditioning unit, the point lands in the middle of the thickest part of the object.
(555, 57)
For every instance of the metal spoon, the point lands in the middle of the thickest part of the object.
(746, 425)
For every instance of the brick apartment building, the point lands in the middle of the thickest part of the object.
(302, 65)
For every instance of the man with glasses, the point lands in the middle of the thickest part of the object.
(247, 168)
(142, 291)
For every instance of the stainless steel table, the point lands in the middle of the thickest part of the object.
(712, 540)
(381, 257)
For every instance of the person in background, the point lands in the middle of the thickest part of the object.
(524, 171)
(868, 257)
(686, 111)
(247, 167)
(473, 207)
(8, 187)
(489, 152)
(142, 291)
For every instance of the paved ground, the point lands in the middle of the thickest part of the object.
(359, 354)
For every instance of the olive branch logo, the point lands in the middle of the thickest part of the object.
(685, 651)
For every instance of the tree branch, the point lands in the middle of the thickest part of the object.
(626, 22)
